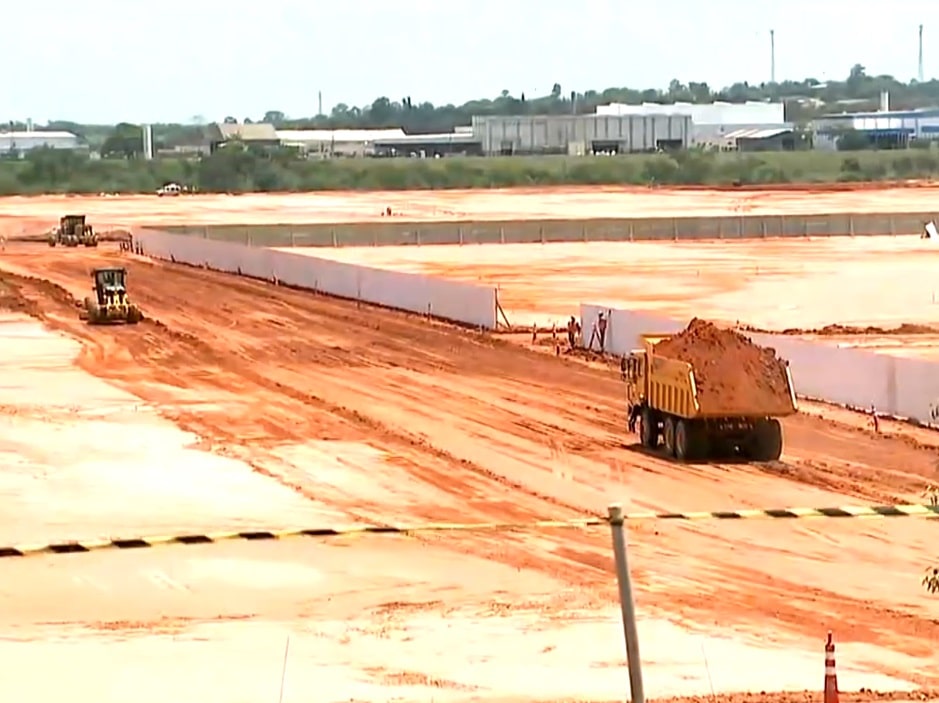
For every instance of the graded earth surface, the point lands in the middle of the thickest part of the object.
(241, 405)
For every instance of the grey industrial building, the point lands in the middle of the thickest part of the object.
(580, 134)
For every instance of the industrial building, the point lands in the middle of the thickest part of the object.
(580, 134)
(724, 126)
(884, 128)
(20, 142)
(461, 141)
(259, 134)
(337, 142)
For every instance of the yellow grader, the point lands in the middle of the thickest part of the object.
(72, 232)
(110, 304)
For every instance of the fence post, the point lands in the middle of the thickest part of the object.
(626, 604)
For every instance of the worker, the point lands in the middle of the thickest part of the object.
(571, 331)
(634, 412)
(622, 368)
(601, 329)
(534, 332)
(874, 421)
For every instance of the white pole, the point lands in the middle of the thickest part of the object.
(626, 605)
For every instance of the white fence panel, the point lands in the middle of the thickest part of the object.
(449, 300)
(917, 389)
(257, 263)
(840, 375)
(624, 327)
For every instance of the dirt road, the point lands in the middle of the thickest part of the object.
(39, 212)
(439, 424)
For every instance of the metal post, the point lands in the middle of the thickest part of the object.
(626, 604)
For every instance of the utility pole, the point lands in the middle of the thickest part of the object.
(920, 64)
(772, 56)
(319, 97)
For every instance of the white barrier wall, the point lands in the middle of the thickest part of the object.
(852, 377)
(449, 300)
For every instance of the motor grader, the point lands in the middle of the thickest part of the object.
(110, 304)
(72, 232)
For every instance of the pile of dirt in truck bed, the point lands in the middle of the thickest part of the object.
(734, 376)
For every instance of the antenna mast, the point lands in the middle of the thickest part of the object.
(772, 56)
(920, 74)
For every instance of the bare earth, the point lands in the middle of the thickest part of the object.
(768, 284)
(468, 205)
(241, 404)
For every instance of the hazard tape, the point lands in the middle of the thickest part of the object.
(84, 546)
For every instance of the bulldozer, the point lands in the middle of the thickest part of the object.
(110, 304)
(72, 232)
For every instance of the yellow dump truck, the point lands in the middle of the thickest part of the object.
(663, 397)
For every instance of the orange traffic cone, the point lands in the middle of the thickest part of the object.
(831, 676)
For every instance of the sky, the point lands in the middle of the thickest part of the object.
(103, 61)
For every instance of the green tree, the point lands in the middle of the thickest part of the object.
(125, 141)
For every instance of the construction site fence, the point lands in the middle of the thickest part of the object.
(901, 387)
(454, 301)
(398, 233)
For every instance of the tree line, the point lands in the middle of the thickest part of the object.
(240, 168)
(804, 100)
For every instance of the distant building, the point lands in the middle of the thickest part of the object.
(259, 134)
(20, 142)
(337, 142)
(580, 134)
(884, 128)
(461, 141)
(720, 125)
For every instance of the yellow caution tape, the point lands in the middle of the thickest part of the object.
(94, 545)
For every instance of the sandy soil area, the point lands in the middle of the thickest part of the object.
(768, 284)
(480, 205)
(318, 410)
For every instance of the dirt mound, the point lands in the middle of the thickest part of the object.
(734, 376)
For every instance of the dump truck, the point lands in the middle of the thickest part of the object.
(72, 232)
(110, 304)
(664, 395)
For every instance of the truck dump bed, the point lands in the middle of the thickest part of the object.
(692, 377)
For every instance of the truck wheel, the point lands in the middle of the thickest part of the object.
(669, 435)
(684, 447)
(766, 441)
(648, 429)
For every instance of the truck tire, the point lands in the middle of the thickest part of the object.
(684, 445)
(648, 429)
(766, 441)
(668, 434)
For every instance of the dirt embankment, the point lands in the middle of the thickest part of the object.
(847, 330)
(733, 375)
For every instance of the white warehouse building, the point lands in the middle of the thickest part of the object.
(717, 125)
(337, 142)
(25, 141)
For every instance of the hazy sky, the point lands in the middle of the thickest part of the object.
(170, 60)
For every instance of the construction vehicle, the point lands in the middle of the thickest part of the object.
(72, 232)
(110, 304)
(663, 393)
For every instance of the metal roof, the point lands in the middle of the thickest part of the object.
(261, 132)
(37, 134)
(921, 112)
(445, 138)
(300, 136)
(756, 133)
